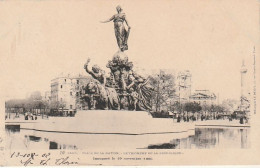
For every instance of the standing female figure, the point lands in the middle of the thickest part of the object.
(120, 31)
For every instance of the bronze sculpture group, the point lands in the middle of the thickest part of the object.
(123, 89)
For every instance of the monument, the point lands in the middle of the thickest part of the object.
(244, 99)
(124, 88)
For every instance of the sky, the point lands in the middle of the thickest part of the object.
(41, 39)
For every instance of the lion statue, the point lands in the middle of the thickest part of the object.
(102, 97)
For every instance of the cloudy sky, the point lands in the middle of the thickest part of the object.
(41, 39)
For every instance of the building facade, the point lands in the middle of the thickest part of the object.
(66, 92)
(203, 97)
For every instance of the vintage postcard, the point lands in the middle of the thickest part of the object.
(141, 82)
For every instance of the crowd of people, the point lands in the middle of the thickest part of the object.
(203, 116)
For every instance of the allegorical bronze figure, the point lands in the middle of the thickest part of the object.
(123, 89)
(120, 30)
(96, 72)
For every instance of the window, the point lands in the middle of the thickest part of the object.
(77, 81)
(77, 93)
(71, 93)
(61, 86)
(70, 106)
(65, 80)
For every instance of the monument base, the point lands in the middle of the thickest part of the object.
(111, 122)
(105, 129)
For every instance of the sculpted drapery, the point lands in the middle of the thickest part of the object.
(120, 31)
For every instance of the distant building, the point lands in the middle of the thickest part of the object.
(183, 91)
(47, 96)
(203, 97)
(66, 91)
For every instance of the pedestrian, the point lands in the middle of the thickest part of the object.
(179, 118)
(241, 120)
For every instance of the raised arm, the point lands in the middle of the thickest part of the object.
(112, 18)
(87, 68)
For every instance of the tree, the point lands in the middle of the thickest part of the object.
(217, 108)
(164, 91)
(54, 104)
(36, 95)
(192, 107)
(57, 104)
(177, 106)
(230, 105)
(33, 102)
(16, 103)
(46, 104)
(206, 107)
